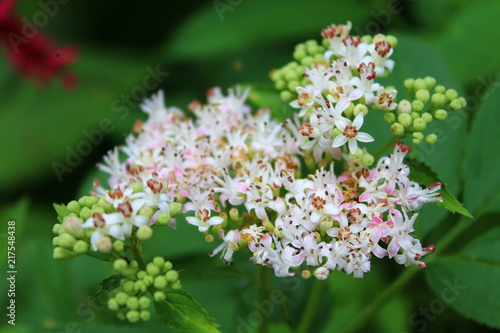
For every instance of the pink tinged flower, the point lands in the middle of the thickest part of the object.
(203, 220)
(286, 258)
(350, 133)
(228, 246)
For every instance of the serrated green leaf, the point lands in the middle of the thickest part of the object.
(182, 313)
(62, 211)
(107, 285)
(482, 186)
(469, 282)
(423, 175)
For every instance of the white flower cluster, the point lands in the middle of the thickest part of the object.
(295, 215)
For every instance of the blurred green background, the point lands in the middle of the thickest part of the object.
(202, 44)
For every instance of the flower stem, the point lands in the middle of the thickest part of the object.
(135, 247)
(312, 305)
(263, 290)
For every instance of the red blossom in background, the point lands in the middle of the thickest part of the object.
(31, 52)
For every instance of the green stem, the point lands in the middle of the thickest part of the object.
(386, 146)
(263, 290)
(311, 309)
(135, 247)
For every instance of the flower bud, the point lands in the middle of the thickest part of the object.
(172, 275)
(140, 286)
(336, 132)
(61, 254)
(104, 245)
(419, 84)
(159, 296)
(427, 117)
(152, 269)
(209, 238)
(440, 89)
(144, 232)
(176, 285)
(409, 85)
(348, 112)
(418, 136)
(389, 117)
(66, 241)
(118, 245)
(438, 101)
(378, 38)
(417, 105)
(85, 213)
(306, 274)
(451, 94)
(145, 315)
(286, 95)
(431, 138)
(455, 105)
(292, 85)
(299, 54)
(175, 209)
(113, 304)
(133, 316)
(132, 303)
(321, 273)
(167, 266)
(144, 302)
(57, 228)
(148, 280)
(423, 95)
(108, 208)
(73, 226)
(360, 108)
(397, 129)
(80, 247)
(163, 219)
(419, 124)
(391, 40)
(405, 119)
(160, 282)
(404, 106)
(120, 265)
(440, 114)
(318, 57)
(364, 39)
(280, 84)
(367, 159)
(307, 61)
(88, 201)
(74, 207)
(159, 261)
(128, 287)
(430, 82)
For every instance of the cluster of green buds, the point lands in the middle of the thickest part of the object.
(130, 299)
(428, 102)
(290, 76)
(72, 239)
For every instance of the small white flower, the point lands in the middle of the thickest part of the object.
(350, 133)
(203, 220)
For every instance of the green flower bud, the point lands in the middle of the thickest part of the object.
(280, 84)
(74, 207)
(367, 159)
(419, 124)
(137, 187)
(418, 135)
(85, 213)
(140, 286)
(417, 105)
(451, 94)
(427, 117)
(423, 95)
(88, 201)
(163, 219)
(336, 132)
(144, 232)
(98, 209)
(299, 54)
(176, 285)
(312, 47)
(160, 282)
(121, 298)
(431, 138)
(404, 106)
(416, 141)
(440, 89)
(290, 75)
(118, 245)
(438, 101)
(357, 156)
(141, 274)
(172, 275)
(57, 228)
(364, 39)
(73, 225)
(420, 84)
(306, 274)
(348, 112)
(318, 57)
(104, 244)
(234, 214)
(378, 38)
(152, 269)
(292, 85)
(133, 303)
(209, 238)
(148, 280)
(430, 82)
(108, 208)
(133, 316)
(397, 129)
(175, 209)
(147, 212)
(391, 40)
(389, 117)
(415, 115)
(405, 119)
(167, 266)
(440, 114)
(61, 254)
(128, 287)
(159, 296)
(455, 105)
(120, 265)
(360, 108)
(159, 261)
(144, 302)
(307, 61)
(80, 247)
(145, 315)
(409, 85)
(122, 315)
(286, 95)
(462, 101)
(113, 304)
(66, 241)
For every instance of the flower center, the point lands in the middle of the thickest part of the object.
(350, 132)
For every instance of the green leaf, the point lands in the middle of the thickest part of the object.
(423, 175)
(182, 313)
(62, 211)
(482, 186)
(469, 282)
(221, 26)
(107, 285)
(268, 97)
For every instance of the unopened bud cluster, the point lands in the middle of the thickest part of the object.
(428, 102)
(130, 299)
